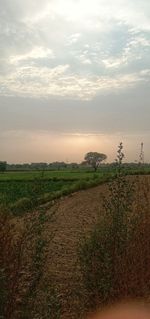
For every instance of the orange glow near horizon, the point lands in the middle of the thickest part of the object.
(44, 146)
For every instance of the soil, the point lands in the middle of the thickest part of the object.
(73, 218)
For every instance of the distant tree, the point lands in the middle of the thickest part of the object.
(94, 159)
(3, 166)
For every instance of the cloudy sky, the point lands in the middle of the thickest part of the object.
(74, 77)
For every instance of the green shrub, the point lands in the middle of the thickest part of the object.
(95, 176)
(100, 253)
(95, 256)
(65, 191)
(22, 205)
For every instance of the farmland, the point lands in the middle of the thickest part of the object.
(48, 245)
(41, 186)
(47, 281)
(58, 174)
(33, 185)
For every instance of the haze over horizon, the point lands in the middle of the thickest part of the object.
(74, 77)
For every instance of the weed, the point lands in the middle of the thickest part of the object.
(33, 304)
(11, 248)
(119, 204)
(100, 253)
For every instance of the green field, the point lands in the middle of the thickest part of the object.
(59, 174)
(29, 188)
(11, 191)
(32, 187)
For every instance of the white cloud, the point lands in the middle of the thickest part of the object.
(113, 62)
(73, 38)
(134, 50)
(35, 53)
(73, 49)
(59, 82)
(85, 12)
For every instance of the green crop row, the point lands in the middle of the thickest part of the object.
(22, 191)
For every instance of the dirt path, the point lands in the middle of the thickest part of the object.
(75, 216)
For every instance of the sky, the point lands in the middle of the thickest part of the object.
(74, 78)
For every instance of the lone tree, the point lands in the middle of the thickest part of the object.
(94, 159)
(3, 166)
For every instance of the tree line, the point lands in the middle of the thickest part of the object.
(91, 160)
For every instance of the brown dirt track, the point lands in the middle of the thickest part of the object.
(75, 217)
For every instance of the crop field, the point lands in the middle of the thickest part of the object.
(11, 191)
(46, 185)
(58, 174)
(19, 187)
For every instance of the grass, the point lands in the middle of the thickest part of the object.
(48, 175)
(22, 260)
(114, 258)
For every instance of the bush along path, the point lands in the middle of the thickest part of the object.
(22, 263)
(112, 252)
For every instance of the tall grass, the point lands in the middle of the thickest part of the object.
(11, 246)
(115, 257)
(22, 248)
